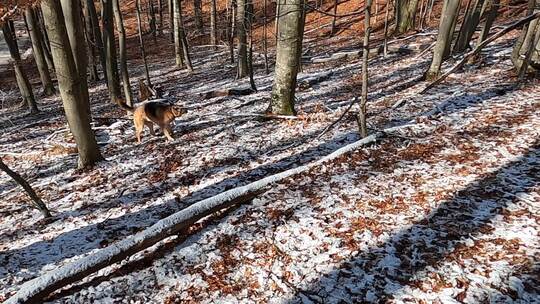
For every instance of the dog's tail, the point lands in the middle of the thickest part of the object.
(122, 103)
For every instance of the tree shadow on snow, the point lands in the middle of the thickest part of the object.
(380, 273)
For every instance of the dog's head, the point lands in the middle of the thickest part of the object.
(178, 111)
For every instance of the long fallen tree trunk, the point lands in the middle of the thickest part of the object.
(479, 47)
(38, 288)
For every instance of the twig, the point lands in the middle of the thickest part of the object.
(339, 119)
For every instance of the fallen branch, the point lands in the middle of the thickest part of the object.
(8, 14)
(339, 119)
(479, 47)
(38, 288)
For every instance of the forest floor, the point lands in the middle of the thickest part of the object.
(446, 210)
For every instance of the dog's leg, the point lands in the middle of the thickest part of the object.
(139, 126)
(168, 132)
(151, 128)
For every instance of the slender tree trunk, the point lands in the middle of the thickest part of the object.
(288, 51)
(90, 42)
(171, 19)
(213, 25)
(177, 36)
(444, 37)
(470, 23)
(524, 50)
(385, 41)
(141, 41)
(72, 18)
(365, 56)
(265, 38)
(113, 81)
(333, 29)
(491, 13)
(250, 11)
(430, 10)
(122, 52)
(160, 13)
(75, 101)
(185, 45)
(37, 202)
(24, 85)
(96, 33)
(197, 6)
(241, 26)
(153, 23)
(405, 15)
(41, 62)
(232, 30)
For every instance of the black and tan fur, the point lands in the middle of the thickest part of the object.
(153, 112)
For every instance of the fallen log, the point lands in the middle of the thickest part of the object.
(38, 288)
(479, 47)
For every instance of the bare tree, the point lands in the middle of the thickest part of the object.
(469, 25)
(365, 55)
(180, 41)
(96, 33)
(122, 52)
(197, 6)
(152, 19)
(141, 41)
(405, 15)
(113, 81)
(334, 18)
(75, 101)
(22, 80)
(39, 56)
(444, 37)
(242, 24)
(265, 37)
(526, 52)
(288, 52)
(213, 20)
(37, 202)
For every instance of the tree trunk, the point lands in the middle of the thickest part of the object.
(113, 81)
(37, 46)
(197, 6)
(89, 34)
(181, 47)
(213, 25)
(232, 20)
(405, 15)
(385, 39)
(491, 13)
(122, 52)
(289, 45)
(250, 46)
(241, 25)
(72, 18)
(141, 41)
(444, 37)
(265, 38)
(334, 18)
(153, 23)
(365, 56)
(470, 22)
(37, 202)
(527, 41)
(74, 100)
(160, 13)
(96, 33)
(24, 85)
(171, 19)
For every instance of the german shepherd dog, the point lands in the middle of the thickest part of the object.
(151, 112)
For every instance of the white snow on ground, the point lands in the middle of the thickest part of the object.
(447, 212)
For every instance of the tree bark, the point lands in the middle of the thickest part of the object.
(365, 55)
(213, 25)
(491, 13)
(231, 15)
(39, 56)
(385, 39)
(122, 52)
(288, 53)
(405, 15)
(153, 22)
(444, 37)
(72, 18)
(527, 42)
(75, 101)
(96, 33)
(265, 37)
(180, 42)
(90, 42)
(160, 14)
(334, 18)
(37, 202)
(171, 19)
(197, 6)
(141, 41)
(250, 47)
(241, 25)
(113, 81)
(22, 80)
(470, 23)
